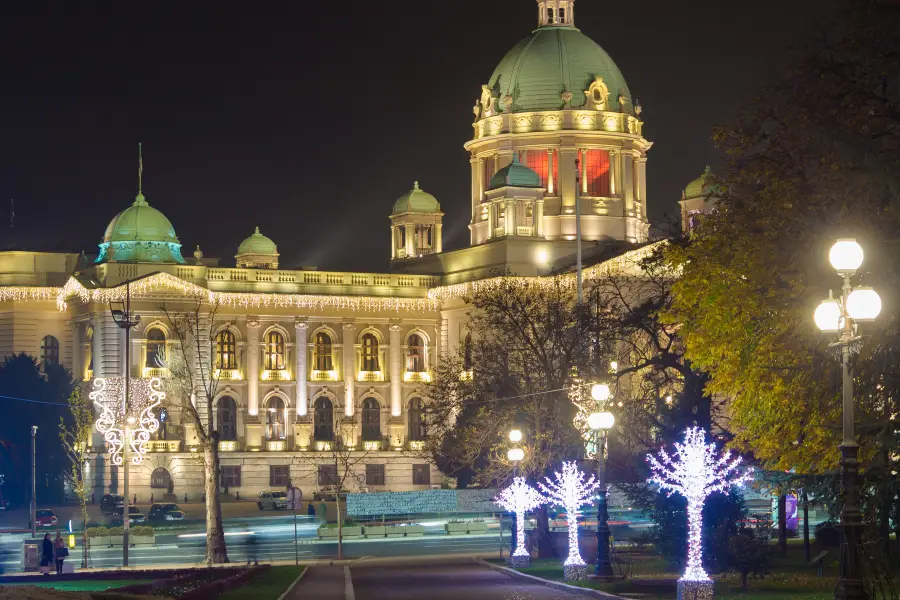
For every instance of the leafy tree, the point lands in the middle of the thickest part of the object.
(750, 552)
(75, 436)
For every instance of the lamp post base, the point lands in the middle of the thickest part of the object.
(695, 590)
(850, 585)
(518, 562)
(575, 572)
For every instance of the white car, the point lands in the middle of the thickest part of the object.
(272, 499)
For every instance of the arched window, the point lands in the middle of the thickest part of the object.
(274, 351)
(160, 479)
(323, 420)
(226, 419)
(467, 352)
(226, 347)
(49, 351)
(415, 354)
(275, 419)
(370, 353)
(322, 352)
(416, 415)
(371, 420)
(156, 349)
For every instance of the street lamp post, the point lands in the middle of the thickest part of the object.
(515, 456)
(841, 316)
(33, 483)
(121, 314)
(600, 423)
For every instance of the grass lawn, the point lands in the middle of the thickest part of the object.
(791, 579)
(93, 585)
(267, 586)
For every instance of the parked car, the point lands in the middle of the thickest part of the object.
(165, 512)
(109, 502)
(272, 499)
(45, 518)
(328, 493)
(134, 515)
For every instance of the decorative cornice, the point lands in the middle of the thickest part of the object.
(301, 322)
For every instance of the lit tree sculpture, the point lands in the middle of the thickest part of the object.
(695, 472)
(519, 498)
(571, 491)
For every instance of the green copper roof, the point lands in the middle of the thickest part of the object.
(257, 244)
(553, 60)
(701, 187)
(515, 174)
(416, 200)
(140, 233)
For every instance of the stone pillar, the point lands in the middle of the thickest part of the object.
(252, 351)
(393, 243)
(613, 160)
(628, 183)
(539, 218)
(396, 363)
(642, 185)
(300, 375)
(550, 181)
(78, 367)
(509, 221)
(584, 181)
(438, 242)
(566, 181)
(410, 241)
(349, 368)
(476, 187)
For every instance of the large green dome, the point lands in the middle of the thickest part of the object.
(140, 233)
(257, 244)
(554, 60)
(416, 201)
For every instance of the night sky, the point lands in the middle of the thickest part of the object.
(309, 119)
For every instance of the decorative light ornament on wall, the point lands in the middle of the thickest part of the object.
(695, 471)
(519, 498)
(108, 396)
(570, 490)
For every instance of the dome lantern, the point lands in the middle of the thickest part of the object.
(257, 252)
(556, 13)
(416, 224)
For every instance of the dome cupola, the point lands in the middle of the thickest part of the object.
(515, 174)
(416, 201)
(416, 224)
(698, 198)
(140, 233)
(257, 252)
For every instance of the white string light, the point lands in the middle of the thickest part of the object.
(695, 472)
(519, 498)
(570, 490)
(144, 396)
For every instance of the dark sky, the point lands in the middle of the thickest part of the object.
(310, 118)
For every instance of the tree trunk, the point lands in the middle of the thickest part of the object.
(806, 550)
(337, 503)
(744, 580)
(542, 531)
(84, 536)
(782, 523)
(216, 552)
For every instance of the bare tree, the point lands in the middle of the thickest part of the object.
(194, 383)
(75, 436)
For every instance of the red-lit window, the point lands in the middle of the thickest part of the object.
(539, 162)
(597, 172)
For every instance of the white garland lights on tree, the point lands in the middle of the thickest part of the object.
(144, 396)
(519, 498)
(572, 492)
(695, 472)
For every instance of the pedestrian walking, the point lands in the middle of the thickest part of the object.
(311, 510)
(60, 552)
(151, 498)
(185, 497)
(46, 554)
(134, 500)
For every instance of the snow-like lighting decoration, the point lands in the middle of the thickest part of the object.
(695, 471)
(570, 490)
(519, 498)
(140, 423)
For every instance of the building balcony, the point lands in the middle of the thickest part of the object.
(228, 374)
(323, 375)
(155, 372)
(416, 445)
(275, 375)
(417, 377)
(164, 446)
(524, 230)
(323, 446)
(373, 446)
(228, 446)
(370, 376)
(276, 446)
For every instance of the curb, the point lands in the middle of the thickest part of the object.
(553, 584)
(293, 585)
(349, 594)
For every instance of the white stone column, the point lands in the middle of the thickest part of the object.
(550, 182)
(252, 351)
(349, 368)
(396, 374)
(566, 183)
(584, 182)
(628, 183)
(539, 218)
(642, 185)
(476, 188)
(300, 375)
(393, 243)
(410, 241)
(438, 238)
(509, 222)
(613, 179)
(78, 366)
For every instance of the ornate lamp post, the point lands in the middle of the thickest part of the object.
(600, 423)
(841, 316)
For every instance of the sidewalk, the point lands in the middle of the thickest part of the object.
(321, 583)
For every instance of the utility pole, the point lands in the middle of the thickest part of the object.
(33, 483)
(578, 267)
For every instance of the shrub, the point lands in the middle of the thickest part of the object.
(750, 552)
(142, 530)
(97, 532)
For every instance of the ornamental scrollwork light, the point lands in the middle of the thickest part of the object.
(140, 421)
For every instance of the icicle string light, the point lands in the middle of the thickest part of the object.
(570, 490)
(519, 498)
(695, 472)
(108, 396)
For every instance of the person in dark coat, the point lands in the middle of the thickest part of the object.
(46, 553)
(59, 548)
(311, 511)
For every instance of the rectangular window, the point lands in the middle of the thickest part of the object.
(596, 172)
(230, 475)
(374, 474)
(279, 475)
(328, 475)
(539, 162)
(421, 474)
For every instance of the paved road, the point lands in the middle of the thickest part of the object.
(468, 581)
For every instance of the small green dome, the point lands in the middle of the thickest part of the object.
(701, 187)
(140, 233)
(515, 174)
(257, 244)
(416, 201)
(551, 61)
